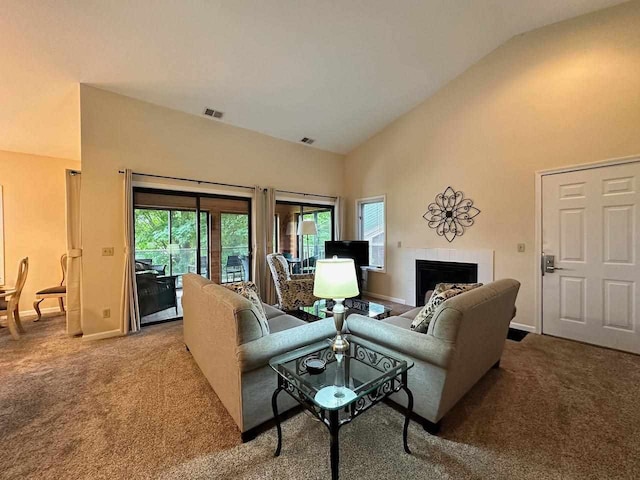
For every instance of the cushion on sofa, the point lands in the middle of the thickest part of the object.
(271, 312)
(411, 314)
(249, 290)
(284, 322)
(401, 321)
(442, 292)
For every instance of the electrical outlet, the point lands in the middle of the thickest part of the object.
(521, 248)
(106, 313)
(107, 251)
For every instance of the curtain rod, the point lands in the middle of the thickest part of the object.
(189, 180)
(227, 184)
(307, 194)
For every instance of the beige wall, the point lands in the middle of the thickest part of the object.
(565, 94)
(119, 132)
(34, 220)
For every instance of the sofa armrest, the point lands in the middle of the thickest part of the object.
(420, 346)
(257, 353)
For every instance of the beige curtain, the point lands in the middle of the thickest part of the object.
(269, 289)
(339, 220)
(264, 205)
(258, 249)
(130, 311)
(74, 254)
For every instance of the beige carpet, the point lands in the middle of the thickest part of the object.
(139, 407)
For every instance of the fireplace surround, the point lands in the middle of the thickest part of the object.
(430, 272)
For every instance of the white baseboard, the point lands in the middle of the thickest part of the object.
(384, 297)
(103, 335)
(522, 326)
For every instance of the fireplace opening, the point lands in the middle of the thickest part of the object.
(429, 273)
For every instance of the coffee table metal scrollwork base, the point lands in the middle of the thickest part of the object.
(367, 376)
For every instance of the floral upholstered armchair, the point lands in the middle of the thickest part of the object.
(293, 291)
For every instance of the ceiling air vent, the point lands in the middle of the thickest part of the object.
(210, 112)
(307, 140)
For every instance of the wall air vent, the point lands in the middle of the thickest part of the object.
(210, 112)
(307, 140)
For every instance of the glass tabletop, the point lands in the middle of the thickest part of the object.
(322, 308)
(345, 379)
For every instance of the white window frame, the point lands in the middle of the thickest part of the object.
(359, 203)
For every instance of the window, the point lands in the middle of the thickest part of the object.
(371, 227)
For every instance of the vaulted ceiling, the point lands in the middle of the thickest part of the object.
(336, 71)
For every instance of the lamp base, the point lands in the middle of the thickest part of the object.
(339, 343)
(334, 396)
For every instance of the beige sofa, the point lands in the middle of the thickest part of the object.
(222, 332)
(464, 340)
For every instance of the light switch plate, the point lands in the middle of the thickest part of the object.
(106, 313)
(521, 248)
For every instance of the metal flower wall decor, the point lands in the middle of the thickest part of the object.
(451, 214)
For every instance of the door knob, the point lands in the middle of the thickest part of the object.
(553, 269)
(549, 264)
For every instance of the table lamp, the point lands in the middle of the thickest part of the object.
(336, 279)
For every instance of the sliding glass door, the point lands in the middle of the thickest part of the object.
(301, 230)
(167, 240)
(234, 247)
(323, 219)
(180, 232)
(230, 238)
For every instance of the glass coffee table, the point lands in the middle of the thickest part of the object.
(322, 309)
(349, 385)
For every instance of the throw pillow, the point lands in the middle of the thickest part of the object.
(442, 292)
(240, 287)
(249, 290)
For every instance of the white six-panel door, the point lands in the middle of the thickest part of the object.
(591, 223)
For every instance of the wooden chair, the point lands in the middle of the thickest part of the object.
(14, 299)
(59, 292)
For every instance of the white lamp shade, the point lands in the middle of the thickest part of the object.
(335, 278)
(307, 227)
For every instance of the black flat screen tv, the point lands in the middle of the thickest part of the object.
(358, 250)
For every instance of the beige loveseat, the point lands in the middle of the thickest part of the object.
(464, 340)
(222, 332)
